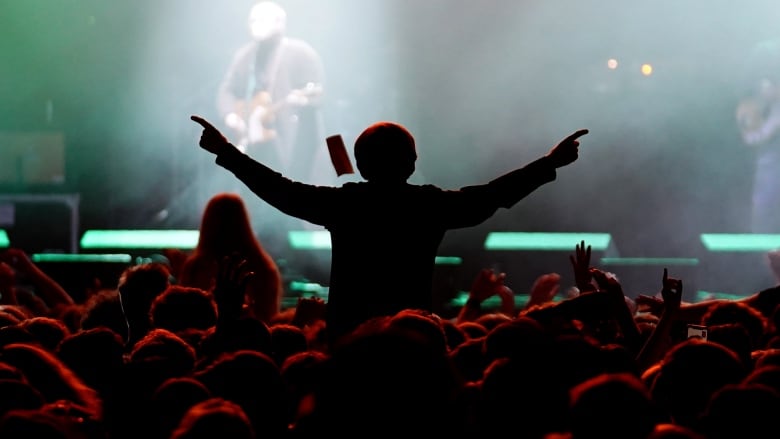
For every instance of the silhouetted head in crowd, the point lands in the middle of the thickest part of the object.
(689, 374)
(734, 312)
(421, 323)
(518, 338)
(51, 377)
(469, 360)
(47, 331)
(612, 406)
(166, 352)
(454, 334)
(286, 340)
(253, 381)
(95, 355)
(745, 410)
(511, 400)
(215, 417)
(179, 308)
(301, 374)
(104, 309)
(138, 286)
(159, 356)
(390, 380)
(735, 337)
(225, 227)
(491, 320)
(385, 153)
(766, 375)
(766, 357)
(171, 401)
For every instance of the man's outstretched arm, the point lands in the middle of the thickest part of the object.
(293, 198)
(516, 185)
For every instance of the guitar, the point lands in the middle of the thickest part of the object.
(259, 113)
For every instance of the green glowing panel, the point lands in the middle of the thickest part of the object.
(309, 239)
(545, 241)
(139, 239)
(650, 261)
(494, 301)
(448, 260)
(740, 242)
(4, 242)
(704, 296)
(85, 257)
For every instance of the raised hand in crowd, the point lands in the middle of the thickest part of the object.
(229, 290)
(543, 290)
(660, 340)
(580, 262)
(621, 312)
(671, 292)
(52, 293)
(487, 284)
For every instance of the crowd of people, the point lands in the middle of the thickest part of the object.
(167, 354)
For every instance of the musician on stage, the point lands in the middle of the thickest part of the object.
(270, 96)
(758, 118)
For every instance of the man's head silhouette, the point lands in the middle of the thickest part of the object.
(385, 152)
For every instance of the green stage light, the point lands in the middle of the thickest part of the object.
(4, 242)
(139, 239)
(448, 260)
(705, 296)
(84, 257)
(650, 261)
(740, 242)
(309, 240)
(545, 241)
(493, 302)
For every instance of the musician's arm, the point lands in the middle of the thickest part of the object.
(309, 77)
(758, 121)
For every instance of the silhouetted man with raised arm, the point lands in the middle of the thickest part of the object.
(384, 231)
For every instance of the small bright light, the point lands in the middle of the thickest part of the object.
(647, 69)
(612, 63)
